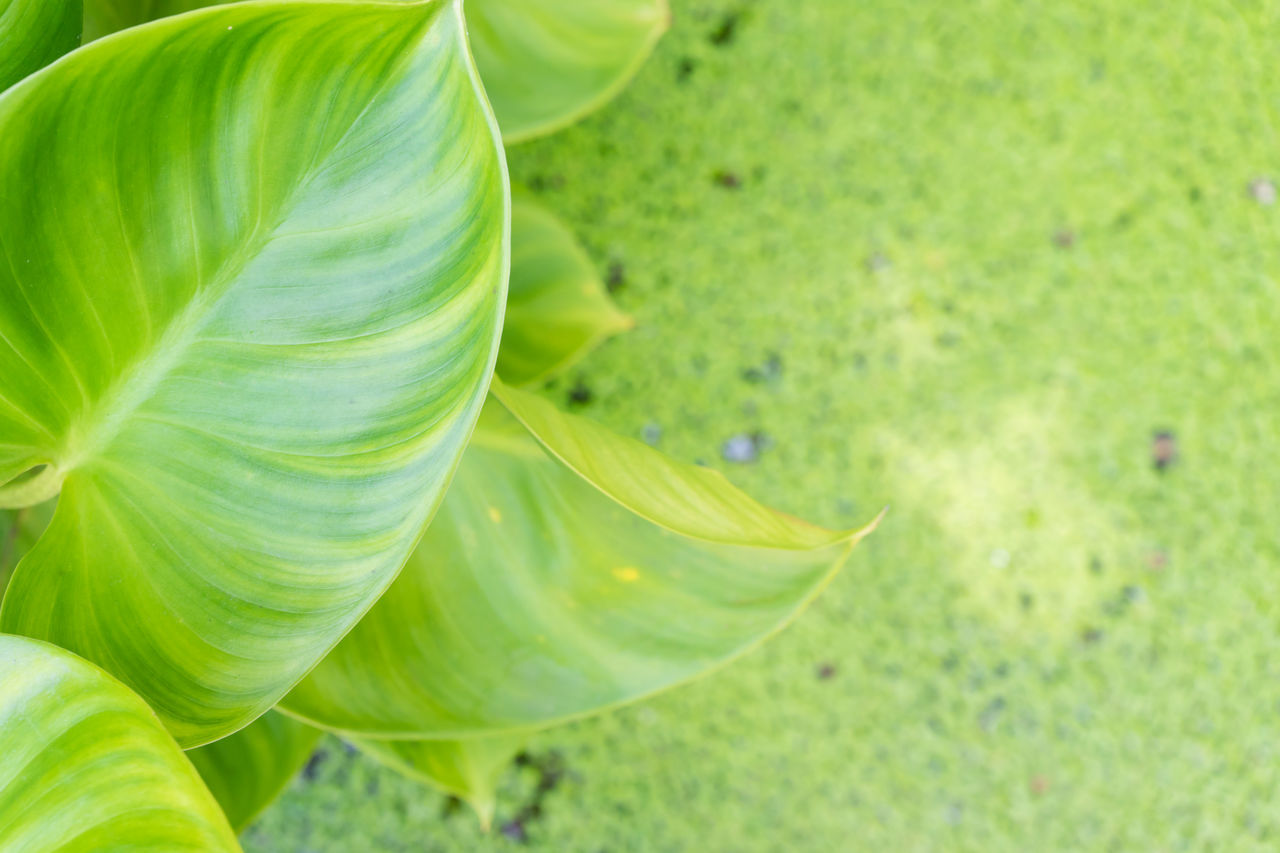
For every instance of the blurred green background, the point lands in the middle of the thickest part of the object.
(968, 260)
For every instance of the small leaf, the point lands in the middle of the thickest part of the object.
(34, 33)
(468, 769)
(557, 307)
(86, 766)
(251, 274)
(569, 570)
(246, 771)
(548, 63)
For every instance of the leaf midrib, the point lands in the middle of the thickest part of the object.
(100, 422)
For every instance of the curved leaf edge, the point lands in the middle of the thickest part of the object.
(619, 322)
(485, 804)
(546, 128)
(455, 8)
(507, 396)
(145, 711)
(732, 657)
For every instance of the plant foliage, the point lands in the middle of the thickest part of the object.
(254, 268)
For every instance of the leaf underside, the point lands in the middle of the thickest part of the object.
(553, 586)
(86, 766)
(258, 369)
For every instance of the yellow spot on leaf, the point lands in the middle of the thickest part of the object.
(494, 515)
(627, 574)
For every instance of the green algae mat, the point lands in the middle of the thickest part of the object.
(1012, 269)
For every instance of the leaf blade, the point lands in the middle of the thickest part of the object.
(85, 765)
(33, 33)
(547, 64)
(293, 320)
(544, 592)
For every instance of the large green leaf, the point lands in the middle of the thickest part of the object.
(467, 769)
(252, 268)
(569, 570)
(557, 307)
(545, 63)
(247, 770)
(86, 766)
(33, 33)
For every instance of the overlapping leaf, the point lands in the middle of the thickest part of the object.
(469, 770)
(247, 770)
(557, 307)
(256, 371)
(19, 531)
(545, 63)
(569, 570)
(33, 33)
(86, 766)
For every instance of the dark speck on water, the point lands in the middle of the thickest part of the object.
(725, 31)
(617, 278)
(742, 449)
(727, 179)
(1164, 450)
(769, 371)
(580, 394)
(312, 768)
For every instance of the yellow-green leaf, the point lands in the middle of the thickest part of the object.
(86, 766)
(569, 570)
(252, 266)
(557, 306)
(33, 33)
(246, 771)
(468, 769)
(547, 63)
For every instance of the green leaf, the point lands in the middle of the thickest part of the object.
(33, 33)
(246, 771)
(19, 530)
(569, 570)
(468, 769)
(103, 17)
(547, 63)
(252, 268)
(86, 766)
(557, 307)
